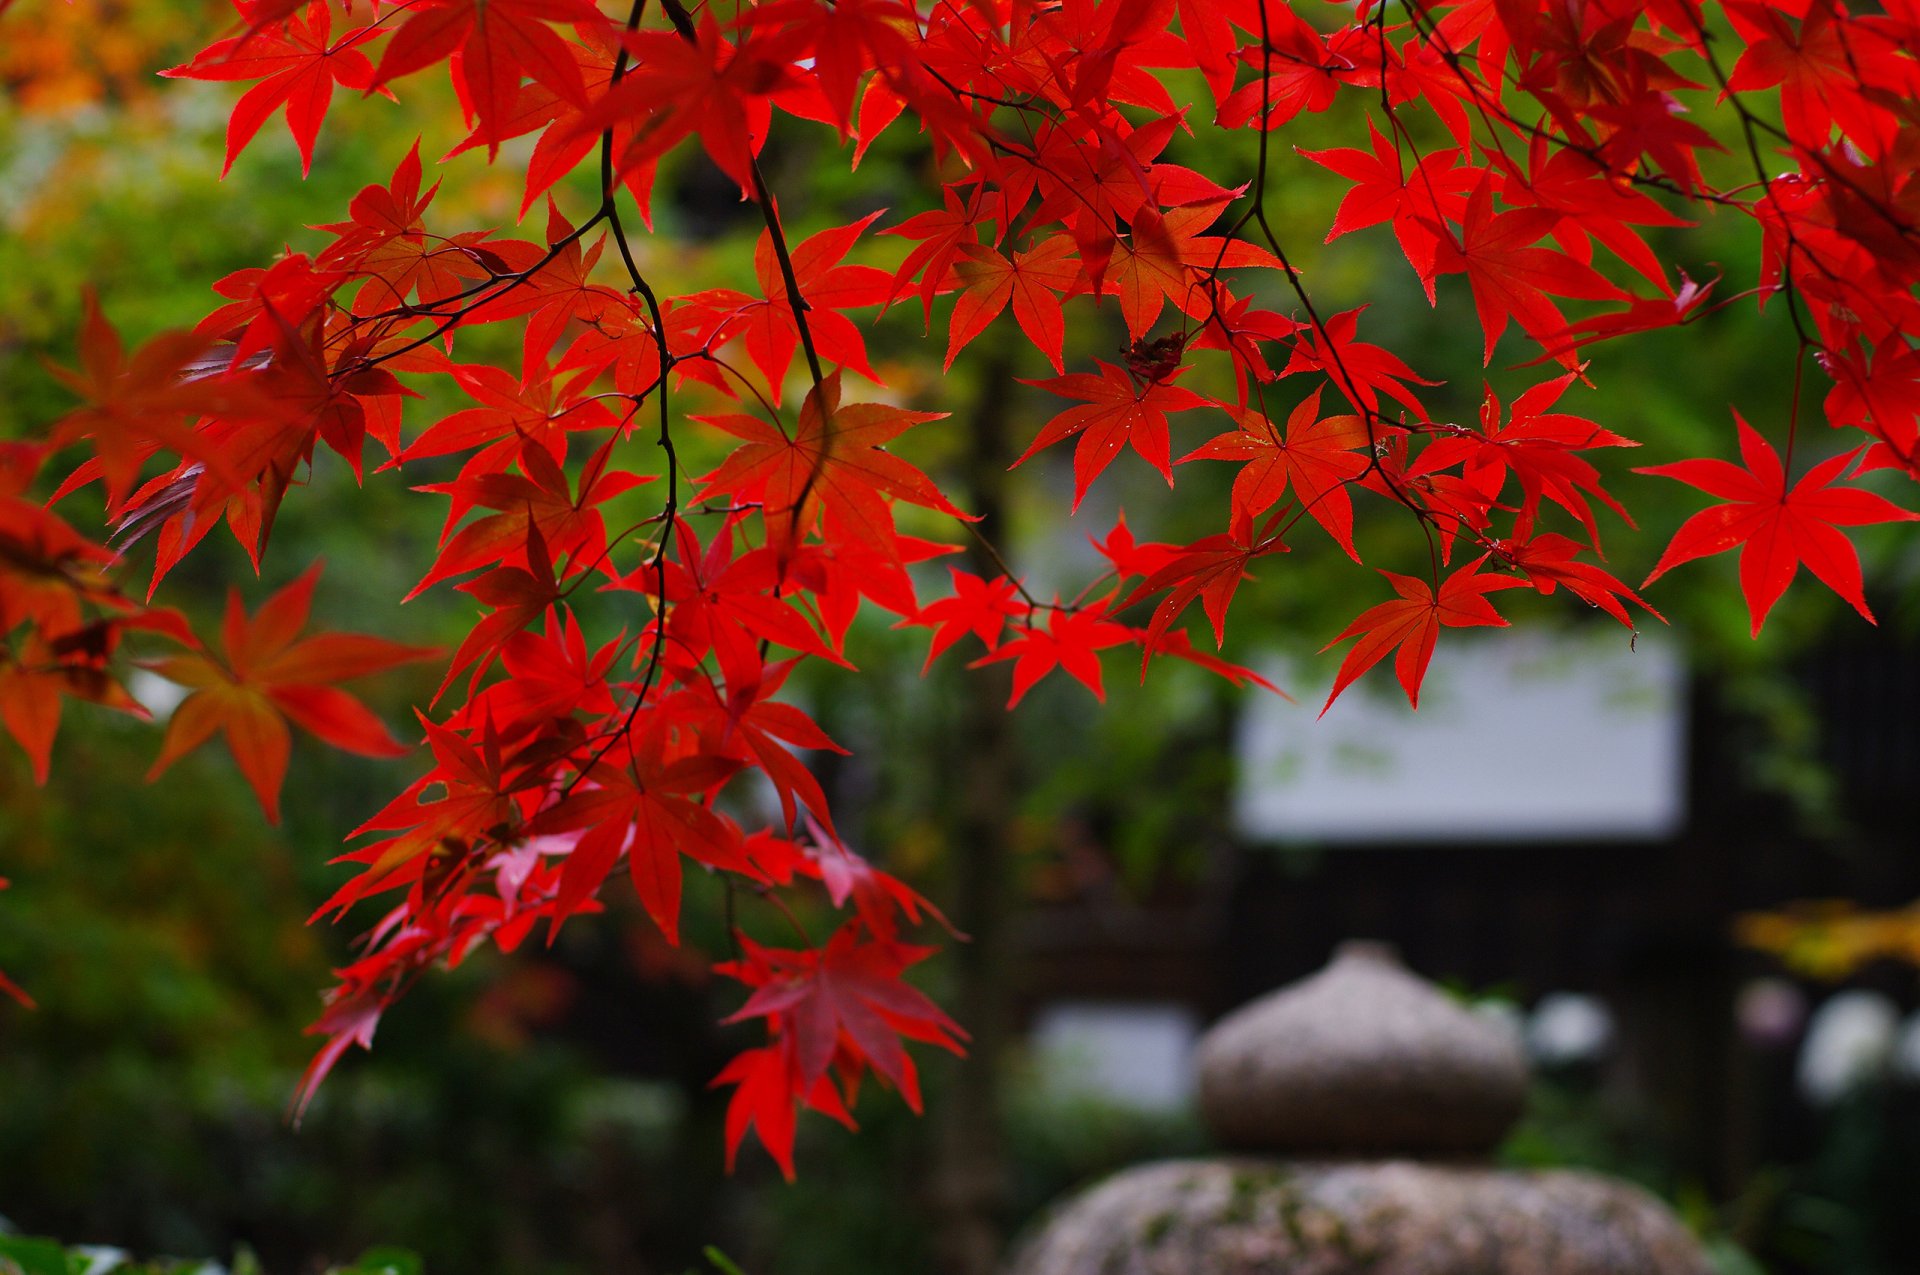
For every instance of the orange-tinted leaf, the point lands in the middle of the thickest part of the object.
(139, 403)
(834, 463)
(266, 677)
(1318, 457)
(1032, 281)
(1166, 258)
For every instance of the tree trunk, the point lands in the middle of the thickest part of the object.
(970, 1180)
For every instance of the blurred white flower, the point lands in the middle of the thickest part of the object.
(1569, 1027)
(1849, 1040)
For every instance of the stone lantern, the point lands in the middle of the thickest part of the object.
(1359, 1105)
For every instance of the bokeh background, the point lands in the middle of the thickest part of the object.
(1708, 961)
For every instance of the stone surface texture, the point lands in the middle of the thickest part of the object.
(1265, 1217)
(1362, 1058)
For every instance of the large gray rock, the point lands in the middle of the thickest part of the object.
(1263, 1217)
(1362, 1058)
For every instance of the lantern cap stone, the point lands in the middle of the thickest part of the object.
(1363, 1058)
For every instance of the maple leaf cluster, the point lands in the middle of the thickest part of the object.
(1517, 152)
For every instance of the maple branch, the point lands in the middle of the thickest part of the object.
(987, 547)
(766, 405)
(765, 893)
(1077, 147)
(1490, 110)
(609, 208)
(795, 302)
(682, 21)
(683, 24)
(1257, 211)
(1749, 130)
(452, 321)
(512, 278)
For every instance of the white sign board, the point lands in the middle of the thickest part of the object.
(1519, 736)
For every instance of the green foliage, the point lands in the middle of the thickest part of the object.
(27, 1256)
(721, 1262)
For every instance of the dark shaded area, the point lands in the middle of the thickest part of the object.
(1685, 1103)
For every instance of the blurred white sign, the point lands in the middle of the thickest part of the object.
(1131, 1054)
(1518, 737)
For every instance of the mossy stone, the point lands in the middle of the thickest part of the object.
(1397, 1217)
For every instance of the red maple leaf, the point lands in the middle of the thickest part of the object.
(509, 414)
(745, 722)
(514, 597)
(1642, 314)
(549, 677)
(1071, 640)
(834, 462)
(1210, 569)
(1177, 644)
(540, 499)
(827, 286)
(558, 294)
(48, 571)
(37, 678)
(385, 244)
(846, 38)
(1165, 258)
(497, 42)
(1119, 411)
(706, 86)
(979, 607)
(728, 605)
(943, 234)
(1412, 623)
(136, 404)
(1594, 204)
(1512, 279)
(1774, 527)
(849, 996)
(1538, 447)
(1415, 201)
(300, 66)
(1129, 557)
(1359, 369)
(1549, 560)
(1821, 69)
(880, 899)
(1649, 124)
(1032, 281)
(764, 1100)
(1319, 457)
(475, 783)
(1303, 74)
(641, 801)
